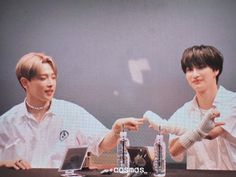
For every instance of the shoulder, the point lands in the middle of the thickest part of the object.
(225, 96)
(184, 110)
(58, 103)
(226, 91)
(13, 113)
(66, 107)
(186, 106)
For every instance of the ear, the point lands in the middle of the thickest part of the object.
(216, 72)
(24, 82)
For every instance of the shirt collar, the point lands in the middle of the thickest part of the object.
(52, 108)
(218, 99)
(23, 112)
(194, 103)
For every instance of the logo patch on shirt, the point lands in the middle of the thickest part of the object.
(63, 135)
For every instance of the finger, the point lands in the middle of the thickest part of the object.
(137, 120)
(12, 165)
(219, 123)
(145, 119)
(134, 123)
(20, 164)
(15, 167)
(214, 115)
(142, 120)
(215, 112)
(132, 128)
(27, 165)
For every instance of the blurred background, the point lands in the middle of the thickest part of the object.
(116, 58)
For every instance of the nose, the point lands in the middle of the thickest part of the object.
(195, 73)
(50, 82)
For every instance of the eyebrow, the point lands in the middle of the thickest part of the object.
(45, 74)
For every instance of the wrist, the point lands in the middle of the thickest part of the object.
(115, 133)
(201, 133)
(189, 138)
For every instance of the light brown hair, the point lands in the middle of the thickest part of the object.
(28, 65)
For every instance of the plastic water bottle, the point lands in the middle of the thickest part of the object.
(123, 159)
(159, 162)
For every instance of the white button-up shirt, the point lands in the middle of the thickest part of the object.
(43, 144)
(219, 153)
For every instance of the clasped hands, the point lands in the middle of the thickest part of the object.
(187, 137)
(155, 121)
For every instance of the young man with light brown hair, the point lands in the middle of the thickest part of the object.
(37, 132)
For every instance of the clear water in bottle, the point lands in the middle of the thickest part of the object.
(159, 162)
(123, 159)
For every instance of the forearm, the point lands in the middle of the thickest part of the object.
(109, 141)
(111, 138)
(177, 145)
(176, 149)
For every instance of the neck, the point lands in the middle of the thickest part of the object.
(205, 99)
(38, 108)
(37, 111)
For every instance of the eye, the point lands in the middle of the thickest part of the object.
(54, 77)
(188, 69)
(42, 78)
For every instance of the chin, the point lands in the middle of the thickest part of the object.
(198, 89)
(46, 99)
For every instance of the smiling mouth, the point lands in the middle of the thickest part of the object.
(196, 81)
(49, 91)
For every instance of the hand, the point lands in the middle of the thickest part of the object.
(16, 164)
(206, 125)
(129, 123)
(215, 132)
(208, 122)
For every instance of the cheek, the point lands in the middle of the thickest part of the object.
(188, 77)
(39, 87)
(189, 80)
(33, 90)
(54, 84)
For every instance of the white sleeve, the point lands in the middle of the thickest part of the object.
(230, 122)
(230, 119)
(178, 119)
(92, 131)
(5, 141)
(166, 126)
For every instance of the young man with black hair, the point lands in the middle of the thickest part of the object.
(204, 127)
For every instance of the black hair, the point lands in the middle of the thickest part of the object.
(202, 56)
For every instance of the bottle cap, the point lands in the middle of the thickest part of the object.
(123, 134)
